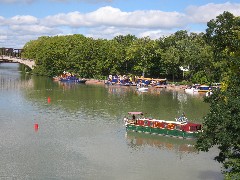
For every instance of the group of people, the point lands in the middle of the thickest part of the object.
(182, 118)
(134, 80)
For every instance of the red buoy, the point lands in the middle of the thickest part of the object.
(49, 99)
(36, 127)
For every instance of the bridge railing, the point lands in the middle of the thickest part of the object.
(11, 52)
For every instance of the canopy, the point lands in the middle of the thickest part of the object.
(136, 113)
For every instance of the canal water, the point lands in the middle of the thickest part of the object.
(75, 131)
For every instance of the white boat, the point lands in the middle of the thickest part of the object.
(198, 89)
(142, 89)
(191, 90)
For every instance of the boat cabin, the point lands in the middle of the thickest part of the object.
(204, 88)
(178, 128)
(192, 127)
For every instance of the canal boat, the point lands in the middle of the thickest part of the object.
(180, 128)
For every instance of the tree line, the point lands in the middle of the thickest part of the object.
(125, 55)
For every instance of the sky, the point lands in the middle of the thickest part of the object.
(24, 20)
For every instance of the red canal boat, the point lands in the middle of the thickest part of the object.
(180, 128)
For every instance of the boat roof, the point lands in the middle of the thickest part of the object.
(204, 85)
(193, 124)
(172, 122)
(136, 113)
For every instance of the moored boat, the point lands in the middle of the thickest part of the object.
(142, 89)
(72, 80)
(204, 88)
(67, 77)
(180, 128)
(191, 90)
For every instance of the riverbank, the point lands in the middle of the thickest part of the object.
(168, 86)
(95, 81)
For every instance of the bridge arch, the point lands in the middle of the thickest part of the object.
(14, 56)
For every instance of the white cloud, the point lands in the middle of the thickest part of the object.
(33, 29)
(203, 14)
(73, 19)
(23, 20)
(109, 16)
(108, 22)
(2, 21)
(108, 32)
(155, 34)
(3, 38)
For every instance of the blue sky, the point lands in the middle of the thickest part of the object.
(25, 20)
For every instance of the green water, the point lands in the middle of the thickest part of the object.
(81, 133)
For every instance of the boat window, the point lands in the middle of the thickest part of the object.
(151, 123)
(192, 128)
(145, 123)
(178, 127)
(199, 127)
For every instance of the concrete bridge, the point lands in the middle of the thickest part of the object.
(14, 56)
(27, 62)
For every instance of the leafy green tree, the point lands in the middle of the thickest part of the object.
(196, 56)
(171, 59)
(124, 42)
(171, 54)
(221, 126)
(97, 58)
(141, 55)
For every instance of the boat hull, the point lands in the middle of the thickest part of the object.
(73, 80)
(162, 131)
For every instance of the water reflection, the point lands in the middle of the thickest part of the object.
(137, 140)
(161, 103)
(67, 85)
(10, 79)
(118, 90)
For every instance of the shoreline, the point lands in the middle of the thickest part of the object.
(168, 86)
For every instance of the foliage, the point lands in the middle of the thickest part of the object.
(97, 58)
(222, 124)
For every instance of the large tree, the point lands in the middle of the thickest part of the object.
(222, 124)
